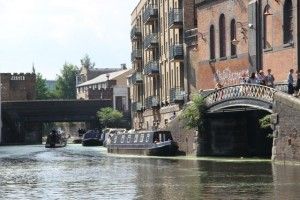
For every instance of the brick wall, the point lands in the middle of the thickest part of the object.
(18, 86)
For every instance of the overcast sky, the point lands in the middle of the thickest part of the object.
(49, 33)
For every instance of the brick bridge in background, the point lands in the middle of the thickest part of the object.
(22, 120)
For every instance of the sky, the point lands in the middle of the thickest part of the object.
(49, 33)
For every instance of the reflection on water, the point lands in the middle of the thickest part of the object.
(76, 172)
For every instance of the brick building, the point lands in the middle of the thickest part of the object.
(238, 37)
(159, 83)
(17, 86)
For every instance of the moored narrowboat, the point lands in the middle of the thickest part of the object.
(151, 143)
(92, 138)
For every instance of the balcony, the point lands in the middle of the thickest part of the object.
(151, 102)
(177, 95)
(176, 52)
(151, 41)
(191, 37)
(136, 55)
(135, 33)
(150, 14)
(175, 18)
(137, 78)
(136, 107)
(151, 68)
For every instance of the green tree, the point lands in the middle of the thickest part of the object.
(86, 62)
(41, 89)
(66, 82)
(193, 114)
(109, 117)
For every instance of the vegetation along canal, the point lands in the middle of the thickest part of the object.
(31, 172)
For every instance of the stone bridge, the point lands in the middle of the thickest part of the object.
(284, 110)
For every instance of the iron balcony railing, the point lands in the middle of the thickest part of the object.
(177, 95)
(137, 78)
(175, 18)
(151, 68)
(151, 102)
(135, 33)
(137, 107)
(176, 52)
(191, 37)
(151, 41)
(136, 54)
(150, 14)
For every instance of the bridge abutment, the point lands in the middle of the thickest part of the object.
(286, 126)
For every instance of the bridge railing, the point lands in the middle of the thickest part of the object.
(250, 91)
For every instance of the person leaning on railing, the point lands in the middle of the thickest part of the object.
(290, 81)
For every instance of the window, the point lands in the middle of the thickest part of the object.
(233, 36)
(128, 138)
(136, 138)
(122, 138)
(287, 22)
(142, 138)
(148, 137)
(267, 27)
(222, 33)
(212, 42)
(115, 139)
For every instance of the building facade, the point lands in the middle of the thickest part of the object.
(236, 38)
(111, 86)
(158, 85)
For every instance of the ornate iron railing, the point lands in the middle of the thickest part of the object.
(135, 33)
(137, 107)
(152, 102)
(136, 54)
(151, 41)
(137, 78)
(245, 91)
(191, 37)
(175, 18)
(176, 52)
(177, 94)
(151, 68)
(150, 13)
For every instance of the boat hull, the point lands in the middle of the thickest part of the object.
(92, 142)
(55, 145)
(165, 150)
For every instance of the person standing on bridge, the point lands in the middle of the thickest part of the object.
(297, 88)
(270, 79)
(291, 82)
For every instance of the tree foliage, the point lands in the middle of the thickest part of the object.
(265, 122)
(42, 92)
(109, 117)
(193, 114)
(86, 62)
(66, 82)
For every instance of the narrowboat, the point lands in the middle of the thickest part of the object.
(92, 138)
(151, 143)
(55, 139)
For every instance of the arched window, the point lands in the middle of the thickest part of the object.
(222, 32)
(268, 27)
(212, 42)
(232, 36)
(287, 22)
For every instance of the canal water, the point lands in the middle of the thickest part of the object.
(76, 172)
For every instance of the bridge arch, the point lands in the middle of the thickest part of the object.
(241, 95)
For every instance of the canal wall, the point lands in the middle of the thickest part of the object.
(286, 125)
(187, 139)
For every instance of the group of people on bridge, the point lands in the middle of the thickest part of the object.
(269, 79)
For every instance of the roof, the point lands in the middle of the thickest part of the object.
(103, 78)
